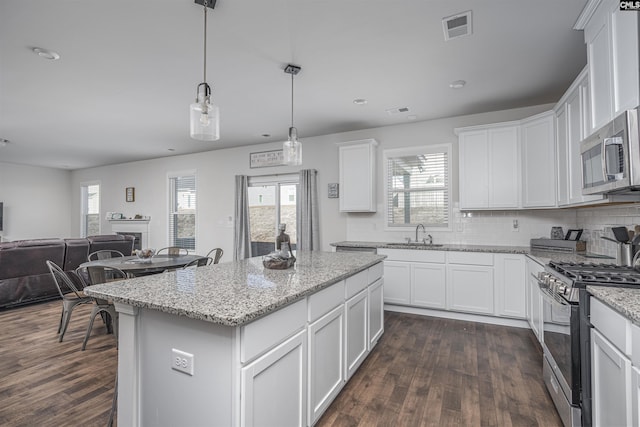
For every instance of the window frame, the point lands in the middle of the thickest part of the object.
(173, 175)
(84, 206)
(417, 150)
(278, 180)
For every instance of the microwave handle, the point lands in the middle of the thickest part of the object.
(616, 140)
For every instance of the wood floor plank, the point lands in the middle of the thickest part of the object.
(424, 372)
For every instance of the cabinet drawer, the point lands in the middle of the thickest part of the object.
(266, 332)
(375, 272)
(413, 255)
(356, 283)
(614, 326)
(325, 300)
(470, 258)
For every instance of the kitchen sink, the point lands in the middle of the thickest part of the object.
(413, 244)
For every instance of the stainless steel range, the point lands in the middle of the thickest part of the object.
(566, 331)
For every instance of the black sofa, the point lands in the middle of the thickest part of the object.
(24, 276)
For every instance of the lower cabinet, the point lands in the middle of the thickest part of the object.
(510, 286)
(428, 285)
(275, 386)
(635, 396)
(534, 299)
(326, 361)
(397, 282)
(356, 331)
(611, 382)
(376, 312)
(470, 288)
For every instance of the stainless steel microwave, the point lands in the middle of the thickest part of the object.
(611, 157)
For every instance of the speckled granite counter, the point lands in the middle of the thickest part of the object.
(462, 248)
(624, 300)
(235, 293)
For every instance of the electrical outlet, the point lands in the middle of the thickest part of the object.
(182, 361)
(515, 226)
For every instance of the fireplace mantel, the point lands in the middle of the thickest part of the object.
(137, 227)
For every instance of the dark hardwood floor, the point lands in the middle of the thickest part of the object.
(424, 371)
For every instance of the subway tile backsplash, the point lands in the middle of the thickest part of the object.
(497, 227)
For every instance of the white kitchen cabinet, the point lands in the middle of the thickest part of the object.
(470, 288)
(534, 298)
(397, 282)
(510, 285)
(489, 167)
(376, 312)
(274, 386)
(326, 361)
(357, 315)
(635, 396)
(572, 119)
(428, 285)
(611, 36)
(357, 168)
(610, 383)
(538, 161)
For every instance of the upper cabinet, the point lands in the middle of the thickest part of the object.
(508, 165)
(539, 161)
(572, 126)
(611, 36)
(489, 167)
(357, 161)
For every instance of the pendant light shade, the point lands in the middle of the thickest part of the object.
(204, 116)
(292, 147)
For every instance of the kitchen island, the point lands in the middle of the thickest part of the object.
(236, 344)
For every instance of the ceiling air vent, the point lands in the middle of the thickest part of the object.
(392, 111)
(457, 25)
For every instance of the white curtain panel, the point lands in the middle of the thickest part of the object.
(241, 235)
(308, 211)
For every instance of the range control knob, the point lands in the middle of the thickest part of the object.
(562, 289)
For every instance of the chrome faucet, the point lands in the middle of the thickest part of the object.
(417, 228)
(430, 239)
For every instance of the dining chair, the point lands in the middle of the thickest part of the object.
(70, 294)
(104, 254)
(216, 254)
(174, 251)
(200, 262)
(102, 274)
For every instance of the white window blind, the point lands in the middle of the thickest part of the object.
(418, 189)
(90, 202)
(182, 211)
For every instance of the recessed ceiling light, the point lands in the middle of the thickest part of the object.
(171, 149)
(458, 84)
(266, 135)
(360, 101)
(4, 142)
(46, 53)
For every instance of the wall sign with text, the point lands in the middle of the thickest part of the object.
(264, 159)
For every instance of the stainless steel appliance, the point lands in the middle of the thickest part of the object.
(611, 157)
(566, 331)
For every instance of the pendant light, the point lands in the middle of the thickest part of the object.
(204, 116)
(292, 148)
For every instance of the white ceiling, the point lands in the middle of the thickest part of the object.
(129, 69)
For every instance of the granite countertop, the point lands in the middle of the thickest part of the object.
(447, 247)
(235, 293)
(624, 300)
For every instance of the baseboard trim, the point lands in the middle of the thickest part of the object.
(516, 323)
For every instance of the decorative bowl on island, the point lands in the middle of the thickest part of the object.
(145, 255)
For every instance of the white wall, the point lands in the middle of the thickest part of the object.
(37, 202)
(215, 180)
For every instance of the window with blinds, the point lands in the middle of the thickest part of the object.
(418, 186)
(90, 205)
(182, 211)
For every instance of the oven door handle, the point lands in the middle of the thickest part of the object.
(553, 299)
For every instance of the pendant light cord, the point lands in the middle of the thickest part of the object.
(291, 99)
(205, 41)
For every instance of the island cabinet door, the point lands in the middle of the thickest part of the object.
(326, 361)
(274, 386)
(376, 312)
(356, 331)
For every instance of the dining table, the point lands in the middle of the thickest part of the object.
(134, 266)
